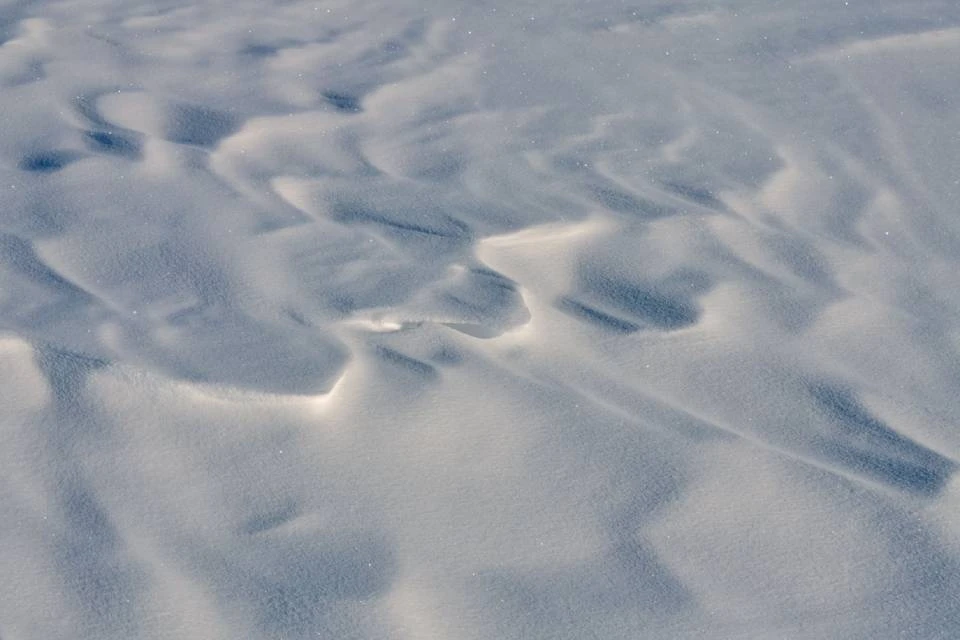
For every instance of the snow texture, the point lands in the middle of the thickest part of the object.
(567, 320)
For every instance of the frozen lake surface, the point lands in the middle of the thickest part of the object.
(396, 320)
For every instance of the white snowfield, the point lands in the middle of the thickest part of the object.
(422, 320)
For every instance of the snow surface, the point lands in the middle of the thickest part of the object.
(479, 321)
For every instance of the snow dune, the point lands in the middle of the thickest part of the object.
(435, 320)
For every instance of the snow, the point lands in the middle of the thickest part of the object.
(435, 320)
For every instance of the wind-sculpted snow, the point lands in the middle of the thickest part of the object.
(479, 320)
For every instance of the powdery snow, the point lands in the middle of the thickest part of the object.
(479, 321)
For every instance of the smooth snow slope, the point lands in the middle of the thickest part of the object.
(479, 321)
